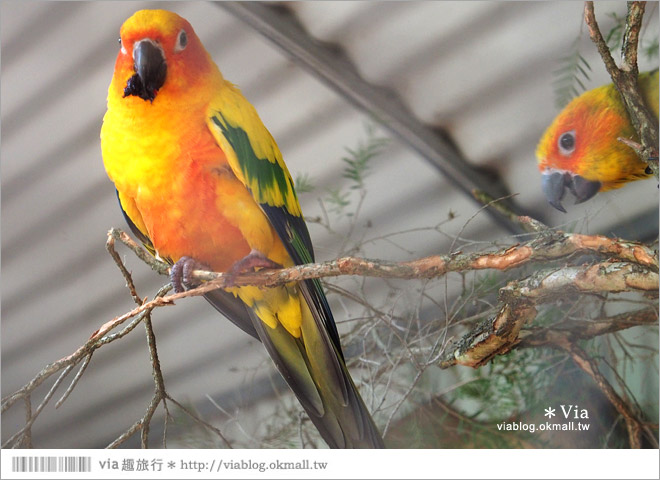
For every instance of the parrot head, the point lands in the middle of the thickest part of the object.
(159, 53)
(560, 171)
(580, 151)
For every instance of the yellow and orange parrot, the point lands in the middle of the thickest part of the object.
(202, 182)
(580, 150)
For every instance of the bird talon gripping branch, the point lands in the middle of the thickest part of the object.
(181, 275)
(249, 263)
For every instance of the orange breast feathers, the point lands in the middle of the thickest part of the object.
(173, 178)
(169, 184)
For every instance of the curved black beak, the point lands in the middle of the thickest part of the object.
(583, 189)
(554, 185)
(150, 71)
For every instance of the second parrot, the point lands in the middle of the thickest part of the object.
(580, 152)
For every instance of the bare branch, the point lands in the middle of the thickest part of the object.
(625, 78)
(597, 38)
(538, 336)
(631, 266)
(75, 380)
(141, 253)
(25, 432)
(519, 299)
(110, 247)
(553, 246)
(589, 365)
(526, 223)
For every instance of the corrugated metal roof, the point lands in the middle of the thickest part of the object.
(481, 72)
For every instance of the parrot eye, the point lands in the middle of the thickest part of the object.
(181, 41)
(121, 46)
(566, 143)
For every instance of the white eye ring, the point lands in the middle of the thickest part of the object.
(181, 41)
(567, 142)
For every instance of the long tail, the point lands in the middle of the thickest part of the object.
(316, 372)
(313, 367)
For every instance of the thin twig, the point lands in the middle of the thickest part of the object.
(202, 422)
(537, 337)
(526, 223)
(589, 366)
(75, 380)
(33, 416)
(159, 382)
(126, 435)
(26, 441)
(141, 253)
(110, 247)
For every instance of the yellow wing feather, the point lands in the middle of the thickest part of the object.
(258, 163)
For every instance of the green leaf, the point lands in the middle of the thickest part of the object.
(357, 162)
(337, 200)
(303, 183)
(571, 75)
(614, 37)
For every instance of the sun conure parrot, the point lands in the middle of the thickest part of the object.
(580, 150)
(201, 182)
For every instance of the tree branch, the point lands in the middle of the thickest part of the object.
(625, 79)
(552, 246)
(520, 298)
(549, 246)
(629, 266)
(582, 330)
(589, 366)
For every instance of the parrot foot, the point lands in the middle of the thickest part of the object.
(181, 273)
(253, 260)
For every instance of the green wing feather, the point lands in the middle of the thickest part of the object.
(316, 372)
(257, 162)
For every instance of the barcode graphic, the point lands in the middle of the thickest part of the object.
(51, 464)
